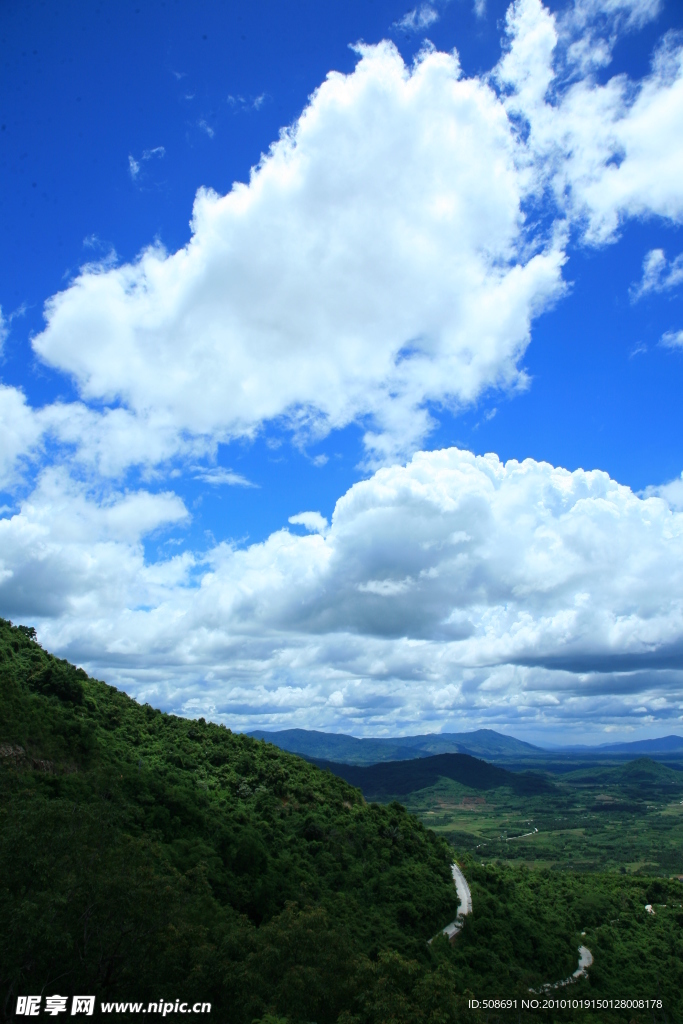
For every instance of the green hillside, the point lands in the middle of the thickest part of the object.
(400, 778)
(141, 852)
(642, 778)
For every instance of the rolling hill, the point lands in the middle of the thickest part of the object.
(642, 777)
(400, 778)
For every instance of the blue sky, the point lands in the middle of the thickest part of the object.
(467, 240)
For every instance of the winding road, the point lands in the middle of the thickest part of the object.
(465, 900)
(585, 960)
(465, 908)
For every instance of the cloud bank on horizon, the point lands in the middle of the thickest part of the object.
(387, 259)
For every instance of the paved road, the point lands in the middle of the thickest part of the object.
(465, 900)
(465, 908)
(585, 960)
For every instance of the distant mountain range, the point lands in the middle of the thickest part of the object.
(343, 749)
(482, 743)
(663, 745)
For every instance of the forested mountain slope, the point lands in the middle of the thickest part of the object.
(142, 853)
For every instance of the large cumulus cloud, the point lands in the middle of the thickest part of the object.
(385, 256)
(372, 264)
(453, 585)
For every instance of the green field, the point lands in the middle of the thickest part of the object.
(627, 818)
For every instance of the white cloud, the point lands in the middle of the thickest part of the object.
(69, 553)
(452, 588)
(371, 265)
(658, 274)
(609, 151)
(103, 444)
(314, 522)
(634, 168)
(219, 475)
(589, 29)
(244, 104)
(384, 258)
(672, 339)
(135, 166)
(632, 14)
(672, 492)
(20, 433)
(654, 265)
(418, 19)
(6, 322)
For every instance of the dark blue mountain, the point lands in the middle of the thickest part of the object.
(663, 745)
(399, 778)
(350, 750)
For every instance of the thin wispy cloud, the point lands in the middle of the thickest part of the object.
(245, 104)
(218, 476)
(6, 321)
(418, 19)
(135, 166)
(659, 275)
(672, 339)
